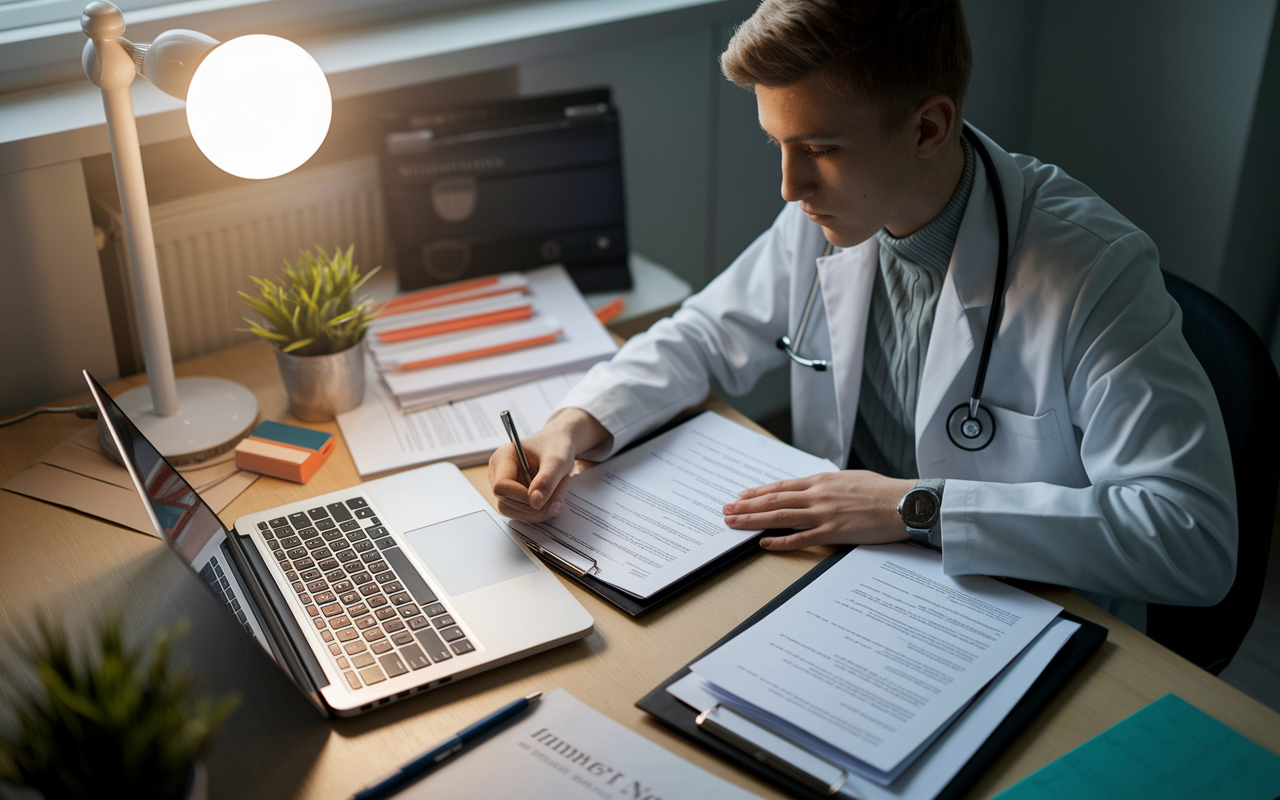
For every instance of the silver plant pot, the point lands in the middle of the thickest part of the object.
(321, 387)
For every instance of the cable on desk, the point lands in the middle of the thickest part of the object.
(84, 411)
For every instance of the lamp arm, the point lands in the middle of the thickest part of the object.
(109, 64)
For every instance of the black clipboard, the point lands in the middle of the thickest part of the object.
(1078, 649)
(634, 606)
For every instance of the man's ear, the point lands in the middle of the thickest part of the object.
(936, 122)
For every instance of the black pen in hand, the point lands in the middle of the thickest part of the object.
(510, 425)
(442, 752)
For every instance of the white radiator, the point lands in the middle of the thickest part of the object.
(209, 244)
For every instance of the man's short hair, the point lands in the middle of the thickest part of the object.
(890, 54)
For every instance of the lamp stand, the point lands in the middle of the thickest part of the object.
(192, 418)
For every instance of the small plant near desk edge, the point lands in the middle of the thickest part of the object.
(313, 310)
(117, 722)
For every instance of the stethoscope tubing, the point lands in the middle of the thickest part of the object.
(1002, 269)
(985, 423)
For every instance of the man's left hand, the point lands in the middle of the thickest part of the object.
(848, 507)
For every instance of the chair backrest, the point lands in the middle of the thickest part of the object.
(1244, 379)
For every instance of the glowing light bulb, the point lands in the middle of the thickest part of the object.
(258, 106)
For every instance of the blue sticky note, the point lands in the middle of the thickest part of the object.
(1169, 750)
(291, 434)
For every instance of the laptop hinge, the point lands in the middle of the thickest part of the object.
(289, 642)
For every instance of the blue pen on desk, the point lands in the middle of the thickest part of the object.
(445, 750)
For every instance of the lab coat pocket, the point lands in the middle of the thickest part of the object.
(1026, 449)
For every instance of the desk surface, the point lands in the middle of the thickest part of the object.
(71, 566)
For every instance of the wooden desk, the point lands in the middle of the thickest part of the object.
(73, 566)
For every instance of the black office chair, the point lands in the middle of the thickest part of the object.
(1248, 389)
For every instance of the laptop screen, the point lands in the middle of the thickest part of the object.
(196, 535)
(182, 518)
(178, 513)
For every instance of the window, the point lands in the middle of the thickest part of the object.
(40, 40)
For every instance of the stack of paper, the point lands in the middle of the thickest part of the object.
(463, 339)
(872, 665)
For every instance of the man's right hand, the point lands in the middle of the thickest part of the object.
(551, 453)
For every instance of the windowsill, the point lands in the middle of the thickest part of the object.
(59, 123)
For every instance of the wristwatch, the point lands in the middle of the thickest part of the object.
(920, 509)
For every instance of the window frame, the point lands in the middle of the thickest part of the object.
(48, 52)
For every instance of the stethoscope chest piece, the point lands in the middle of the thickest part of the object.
(970, 431)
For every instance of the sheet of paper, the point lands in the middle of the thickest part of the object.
(461, 347)
(878, 653)
(466, 432)
(563, 749)
(653, 514)
(1170, 750)
(945, 757)
(76, 474)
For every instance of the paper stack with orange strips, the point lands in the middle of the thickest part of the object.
(462, 339)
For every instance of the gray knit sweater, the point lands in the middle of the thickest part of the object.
(903, 300)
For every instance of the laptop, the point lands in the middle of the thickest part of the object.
(367, 595)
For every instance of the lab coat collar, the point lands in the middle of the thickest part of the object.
(847, 278)
(973, 260)
(960, 321)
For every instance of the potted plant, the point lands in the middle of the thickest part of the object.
(316, 323)
(117, 722)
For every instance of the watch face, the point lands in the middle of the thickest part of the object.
(920, 508)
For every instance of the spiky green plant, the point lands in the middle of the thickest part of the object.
(313, 310)
(114, 722)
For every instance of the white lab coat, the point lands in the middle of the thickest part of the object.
(1109, 471)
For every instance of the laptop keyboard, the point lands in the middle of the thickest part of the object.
(213, 575)
(376, 614)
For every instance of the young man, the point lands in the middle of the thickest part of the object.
(1098, 459)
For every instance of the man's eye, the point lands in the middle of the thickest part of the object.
(813, 152)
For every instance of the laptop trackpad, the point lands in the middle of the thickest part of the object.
(469, 552)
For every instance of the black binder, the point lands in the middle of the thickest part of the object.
(478, 189)
(1078, 649)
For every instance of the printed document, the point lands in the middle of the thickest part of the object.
(565, 750)
(646, 518)
(946, 756)
(466, 432)
(877, 655)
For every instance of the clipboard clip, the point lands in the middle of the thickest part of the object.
(559, 559)
(734, 730)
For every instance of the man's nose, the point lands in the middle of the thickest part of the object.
(797, 178)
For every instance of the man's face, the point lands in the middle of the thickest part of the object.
(838, 163)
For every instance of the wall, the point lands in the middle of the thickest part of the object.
(52, 298)
(1250, 280)
(1151, 104)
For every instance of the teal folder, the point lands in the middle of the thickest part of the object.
(1170, 750)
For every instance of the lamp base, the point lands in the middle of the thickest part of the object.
(214, 414)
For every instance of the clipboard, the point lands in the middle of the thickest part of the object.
(1073, 655)
(635, 607)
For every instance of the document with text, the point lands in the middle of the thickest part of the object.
(564, 749)
(877, 655)
(646, 518)
(381, 438)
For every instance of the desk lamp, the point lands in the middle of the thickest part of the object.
(257, 107)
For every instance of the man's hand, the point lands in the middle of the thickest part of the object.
(551, 452)
(849, 507)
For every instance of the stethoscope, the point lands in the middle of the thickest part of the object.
(969, 426)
